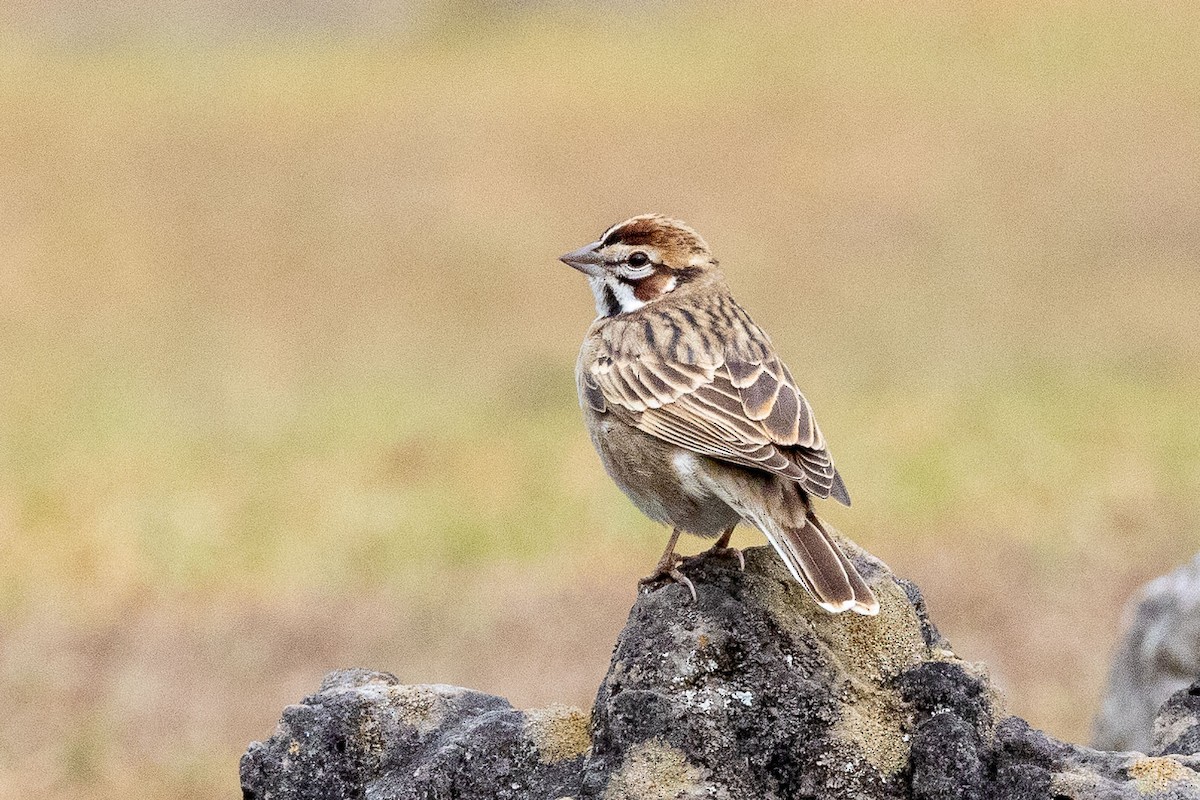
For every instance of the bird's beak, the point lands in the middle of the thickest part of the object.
(586, 260)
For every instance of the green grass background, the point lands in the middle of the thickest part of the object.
(286, 356)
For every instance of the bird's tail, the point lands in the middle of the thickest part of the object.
(783, 512)
(818, 563)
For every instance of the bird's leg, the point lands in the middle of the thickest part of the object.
(722, 548)
(668, 567)
(667, 562)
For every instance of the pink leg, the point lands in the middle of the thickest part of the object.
(668, 566)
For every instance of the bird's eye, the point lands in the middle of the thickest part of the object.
(639, 259)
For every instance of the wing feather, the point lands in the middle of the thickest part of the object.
(782, 420)
(592, 393)
(631, 381)
(759, 397)
(743, 410)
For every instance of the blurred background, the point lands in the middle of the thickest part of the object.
(287, 358)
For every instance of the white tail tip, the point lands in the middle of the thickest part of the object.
(866, 609)
(837, 608)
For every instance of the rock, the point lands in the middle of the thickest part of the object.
(751, 692)
(364, 734)
(1158, 655)
(1177, 727)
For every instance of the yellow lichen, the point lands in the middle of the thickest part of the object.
(1153, 775)
(875, 648)
(873, 724)
(369, 741)
(871, 651)
(656, 771)
(418, 706)
(558, 732)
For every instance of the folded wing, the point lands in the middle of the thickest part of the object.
(744, 411)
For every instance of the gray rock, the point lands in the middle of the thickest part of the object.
(1159, 655)
(365, 735)
(751, 692)
(1177, 727)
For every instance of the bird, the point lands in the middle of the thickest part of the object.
(694, 415)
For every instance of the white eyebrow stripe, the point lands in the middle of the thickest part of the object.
(606, 234)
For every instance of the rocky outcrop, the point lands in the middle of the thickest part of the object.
(751, 692)
(1159, 654)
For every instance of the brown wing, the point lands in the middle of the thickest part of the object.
(741, 411)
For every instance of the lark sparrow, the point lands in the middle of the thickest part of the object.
(693, 414)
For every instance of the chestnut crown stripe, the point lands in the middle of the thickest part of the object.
(654, 230)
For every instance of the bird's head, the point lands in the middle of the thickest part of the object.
(641, 260)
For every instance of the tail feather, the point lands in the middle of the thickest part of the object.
(839, 491)
(783, 512)
(816, 561)
(865, 601)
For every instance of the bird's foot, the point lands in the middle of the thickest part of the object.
(668, 569)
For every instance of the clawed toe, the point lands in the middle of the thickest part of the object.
(741, 559)
(668, 568)
(671, 573)
(679, 577)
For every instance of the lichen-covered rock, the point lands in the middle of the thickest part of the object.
(751, 692)
(365, 735)
(1177, 728)
(1158, 655)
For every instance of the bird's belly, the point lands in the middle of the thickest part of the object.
(660, 479)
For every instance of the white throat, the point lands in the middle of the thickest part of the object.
(613, 296)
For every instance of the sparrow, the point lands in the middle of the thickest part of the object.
(695, 417)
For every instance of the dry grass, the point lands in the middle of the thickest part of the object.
(287, 356)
